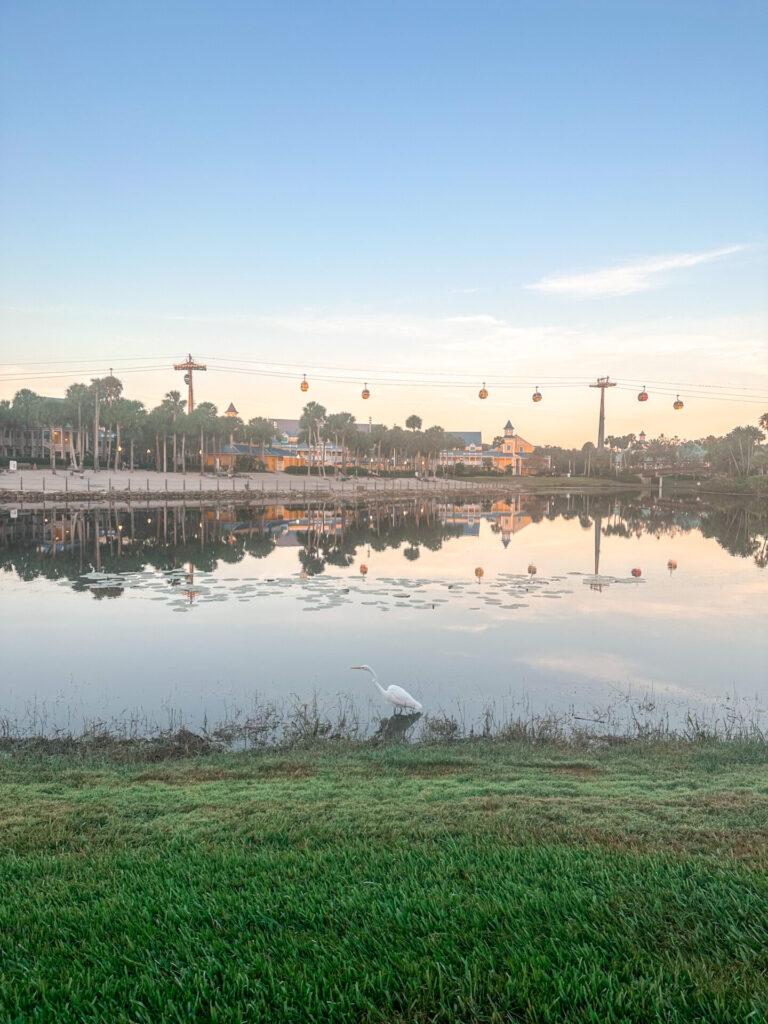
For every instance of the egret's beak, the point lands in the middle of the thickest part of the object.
(355, 666)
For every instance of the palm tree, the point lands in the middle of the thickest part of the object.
(396, 441)
(338, 425)
(6, 422)
(104, 390)
(260, 431)
(133, 418)
(50, 410)
(26, 410)
(111, 388)
(203, 419)
(435, 442)
(175, 405)
(378, 435)
(312, 416)
(77, 398)
(763, 421)
(413, 422)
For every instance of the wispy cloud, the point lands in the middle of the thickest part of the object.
(626, 278)
(613, 669)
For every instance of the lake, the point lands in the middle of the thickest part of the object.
(162, 615)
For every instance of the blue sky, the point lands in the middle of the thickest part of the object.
(487, 189)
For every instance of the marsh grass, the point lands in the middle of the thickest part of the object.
(286, 723)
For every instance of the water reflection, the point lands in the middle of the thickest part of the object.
(447, 603)
(96, 548)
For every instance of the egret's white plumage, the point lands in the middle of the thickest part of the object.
(396, 695)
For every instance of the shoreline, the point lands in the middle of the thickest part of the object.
(108, 490)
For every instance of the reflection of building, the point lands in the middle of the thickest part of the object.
(509, 518)
(510, 456)
(506, 517)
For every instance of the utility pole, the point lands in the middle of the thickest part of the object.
(602, 383)
(189, 366)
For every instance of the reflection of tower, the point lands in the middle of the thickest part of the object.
(190, 589)
(602, 383)
(596, 583)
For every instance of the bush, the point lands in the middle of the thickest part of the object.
(303, 470)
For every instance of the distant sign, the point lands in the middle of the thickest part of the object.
(13, 465)
(14, 513)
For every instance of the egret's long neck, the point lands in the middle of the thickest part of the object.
(376, 682)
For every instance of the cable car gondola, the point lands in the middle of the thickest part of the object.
(536, 396)
(483, 392)
(366, 392)
(304, 384)
(643, 396)
(677, 404)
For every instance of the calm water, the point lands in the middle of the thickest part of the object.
(104, 614)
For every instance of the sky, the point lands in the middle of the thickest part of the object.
(419, 195)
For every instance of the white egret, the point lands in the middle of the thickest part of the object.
(399, 698)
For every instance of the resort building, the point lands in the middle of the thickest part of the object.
(510, 456)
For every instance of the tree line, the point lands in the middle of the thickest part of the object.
(108, 430)
(737, 453)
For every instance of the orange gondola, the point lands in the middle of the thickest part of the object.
(366, 392)
(483, 392)
(304, 384)
(536, 396)
(479, 572)
(677, 404)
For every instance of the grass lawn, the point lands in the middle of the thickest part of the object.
(483, 881)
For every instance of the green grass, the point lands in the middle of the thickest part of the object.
(483, 881)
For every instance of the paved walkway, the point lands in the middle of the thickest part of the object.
(143, 481)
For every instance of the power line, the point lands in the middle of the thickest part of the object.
(389, 379)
